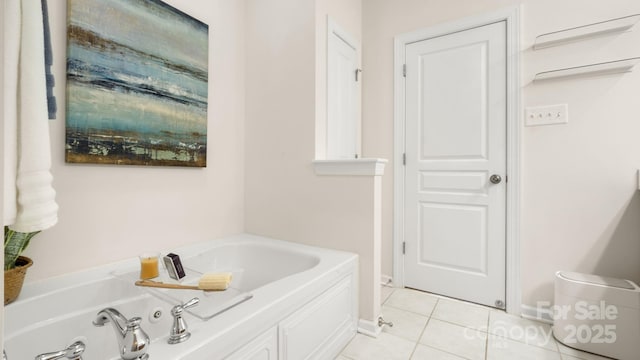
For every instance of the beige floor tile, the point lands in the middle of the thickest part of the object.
(428, 353)
(384, 347)
(455, 339)
(461, 313)
(412, 300)
(385, 292)
(406, 324)
(523, 330)
(499, 348)
(455, 331)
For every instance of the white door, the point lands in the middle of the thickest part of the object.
(342, 96)
(455, 142)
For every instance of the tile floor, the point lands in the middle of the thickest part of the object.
(430, 327)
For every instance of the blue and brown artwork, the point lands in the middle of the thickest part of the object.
(137, 84)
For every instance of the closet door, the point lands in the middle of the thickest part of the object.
(455, 189)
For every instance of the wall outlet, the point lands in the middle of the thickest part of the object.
(547, 115)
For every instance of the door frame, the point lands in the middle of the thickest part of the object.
(511, 16)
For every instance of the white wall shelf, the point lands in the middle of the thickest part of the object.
(585, 32)
(605, 68)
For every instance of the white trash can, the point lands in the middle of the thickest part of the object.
(597, 314)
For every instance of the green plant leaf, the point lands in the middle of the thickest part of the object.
(14, 244)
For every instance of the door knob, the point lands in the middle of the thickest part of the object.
(495, 179)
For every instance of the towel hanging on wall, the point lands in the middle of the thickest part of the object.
(29, 199)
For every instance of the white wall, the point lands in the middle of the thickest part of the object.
(2, 12)
(284, 198)
(109, 213)
(580, 209)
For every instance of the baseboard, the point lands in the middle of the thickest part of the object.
(386, 280)
(537, 314)
(369, 328)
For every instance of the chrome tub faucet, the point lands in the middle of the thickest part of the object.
(133, 342)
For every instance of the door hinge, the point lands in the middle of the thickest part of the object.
(404, 159)
(404, 248)
(404, 70)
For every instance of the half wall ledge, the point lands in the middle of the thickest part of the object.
(350, 167)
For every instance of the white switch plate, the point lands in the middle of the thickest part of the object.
(547, 115)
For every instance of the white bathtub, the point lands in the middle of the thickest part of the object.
(302, 304)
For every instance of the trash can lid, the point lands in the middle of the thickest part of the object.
(598, 280)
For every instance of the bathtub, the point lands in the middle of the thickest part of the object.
(287, 301)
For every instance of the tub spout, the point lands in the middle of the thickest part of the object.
(133, 342)
(116, 318)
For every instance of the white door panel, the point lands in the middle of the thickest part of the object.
(451, 131)
(342, 94)
(436, 223)
(455, 140)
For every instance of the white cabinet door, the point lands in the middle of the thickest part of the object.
(264, 347)
(317, 331)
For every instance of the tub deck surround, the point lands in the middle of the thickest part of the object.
(304, 303)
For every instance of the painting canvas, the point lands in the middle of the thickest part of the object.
(137, 84)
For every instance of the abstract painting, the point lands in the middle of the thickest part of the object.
(137, 84)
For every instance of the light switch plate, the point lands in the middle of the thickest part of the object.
(547, 115)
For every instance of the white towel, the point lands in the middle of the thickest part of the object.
(11, 62)
(34, 207)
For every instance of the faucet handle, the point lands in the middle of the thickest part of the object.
(177, 310)
(179, 332)
(191, 303)
(73, 352)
